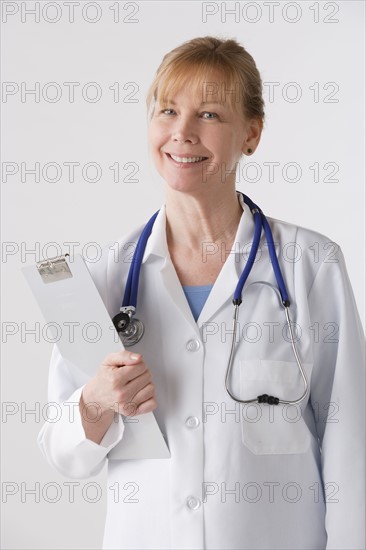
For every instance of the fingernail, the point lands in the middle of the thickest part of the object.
(135, 356)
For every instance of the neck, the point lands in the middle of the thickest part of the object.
(192, 219)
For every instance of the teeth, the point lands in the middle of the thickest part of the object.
(187, 159)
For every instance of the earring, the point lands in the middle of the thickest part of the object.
(249, 151)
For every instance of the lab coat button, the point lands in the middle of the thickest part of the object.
(193, 503)
(192, 422)
(193, 345)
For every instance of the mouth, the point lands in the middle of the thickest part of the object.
(185, 161)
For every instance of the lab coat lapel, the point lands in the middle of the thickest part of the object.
(173, 287)
(225, 284)
(157, 246)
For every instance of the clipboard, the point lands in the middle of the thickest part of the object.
(67, 297)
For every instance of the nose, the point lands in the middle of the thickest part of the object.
(183, 131)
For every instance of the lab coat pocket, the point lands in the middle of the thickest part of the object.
(272, 429)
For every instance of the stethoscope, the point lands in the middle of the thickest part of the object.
(131, 329)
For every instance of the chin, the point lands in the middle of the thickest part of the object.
(183, 185)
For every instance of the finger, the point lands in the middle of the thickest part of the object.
(124, 375)
(144, 393)
(136, 385)
(147, 406)
(133, 409)
(127, 409)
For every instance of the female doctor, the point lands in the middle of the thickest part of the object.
(282, 470)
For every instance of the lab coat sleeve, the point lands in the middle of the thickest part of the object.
(338, 399)
(63, 442)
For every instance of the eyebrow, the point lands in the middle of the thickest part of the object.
(203, 102)
(213, 102)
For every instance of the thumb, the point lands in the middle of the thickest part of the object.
(122, 358)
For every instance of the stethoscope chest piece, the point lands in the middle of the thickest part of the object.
(129, 329)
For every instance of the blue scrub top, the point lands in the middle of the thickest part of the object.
(196, 297)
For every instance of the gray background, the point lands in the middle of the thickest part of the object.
(105, 132)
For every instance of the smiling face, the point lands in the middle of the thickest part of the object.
(197, 141)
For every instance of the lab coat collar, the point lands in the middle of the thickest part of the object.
(225, 284)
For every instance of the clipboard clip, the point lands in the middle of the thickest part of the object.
(54, 269)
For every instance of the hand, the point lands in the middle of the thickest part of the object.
(123, 384)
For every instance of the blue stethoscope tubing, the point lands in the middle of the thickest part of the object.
(131, 330)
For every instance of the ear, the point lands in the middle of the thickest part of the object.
(254, 129)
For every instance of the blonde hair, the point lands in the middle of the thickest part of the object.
(193, 63)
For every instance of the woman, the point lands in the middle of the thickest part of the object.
(255, 476)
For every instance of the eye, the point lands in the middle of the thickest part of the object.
(211, 116)
(165, 111)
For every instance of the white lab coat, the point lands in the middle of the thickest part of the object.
(239, 477)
